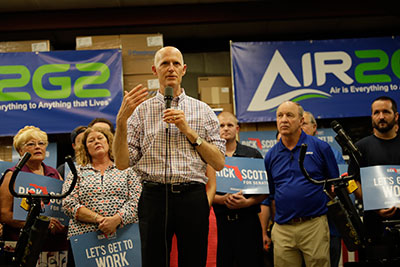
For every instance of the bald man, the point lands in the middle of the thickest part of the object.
(301, 225)
(170, 150)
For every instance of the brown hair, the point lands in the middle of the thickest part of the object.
(83, 157)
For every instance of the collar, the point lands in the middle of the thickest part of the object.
(178, 99)
(282, 147)
(89, 166)
(46, 170)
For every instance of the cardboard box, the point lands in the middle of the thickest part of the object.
(98, 42)
(215, 90)
(218, 108)
(248, 127)
(148, 80)
(266, 126)
(25, 46)
(137, 49)
(138, 52)
(6, 148)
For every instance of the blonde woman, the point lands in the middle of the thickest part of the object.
(33, 140)
(104, 197)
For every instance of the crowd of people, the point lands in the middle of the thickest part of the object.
(157, 168)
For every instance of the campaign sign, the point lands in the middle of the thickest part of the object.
(265, 140)
(29, 182)
(243, 174)
(380, 186)
(330, 78)
(4, 165)
(262, 141)
(343, 168)
(328, 135)
(120, 249)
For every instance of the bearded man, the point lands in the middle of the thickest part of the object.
(380, 148)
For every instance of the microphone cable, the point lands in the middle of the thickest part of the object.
(167, 149)
(168, 97)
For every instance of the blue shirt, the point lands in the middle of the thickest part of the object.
(294, 195)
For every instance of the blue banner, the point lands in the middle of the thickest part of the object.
(96, 249)
(329, 78)
(30, 182)
(57, 91)
(380, 186)
(243, 174)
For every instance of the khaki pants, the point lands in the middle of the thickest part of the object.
(309, 238)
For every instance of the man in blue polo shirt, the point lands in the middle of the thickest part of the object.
(301, 226)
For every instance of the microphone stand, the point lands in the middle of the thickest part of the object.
(35, 230)
(346, 217)
(167, 146)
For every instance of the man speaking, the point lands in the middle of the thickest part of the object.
(170, 149)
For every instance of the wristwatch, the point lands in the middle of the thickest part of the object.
(198, 141)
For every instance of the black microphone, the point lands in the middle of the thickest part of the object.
(23, 160)
(168, 96)
(345, 139)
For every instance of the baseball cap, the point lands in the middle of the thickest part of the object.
(75, 132)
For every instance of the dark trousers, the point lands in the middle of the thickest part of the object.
(187, 218)
(240, 241)
(335, 249)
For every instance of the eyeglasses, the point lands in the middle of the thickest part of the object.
(34, 144)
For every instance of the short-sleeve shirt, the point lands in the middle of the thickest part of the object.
(294, 195)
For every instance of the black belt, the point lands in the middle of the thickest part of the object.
(175, 188)
(301, 219)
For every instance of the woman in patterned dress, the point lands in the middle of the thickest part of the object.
(104, 197)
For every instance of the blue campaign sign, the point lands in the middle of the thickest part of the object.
(343, 168)
(243, 174)
(330, 78)
(96, 249)
(4, 165)
(262, 141)
(265, 140)
(380, 186)
(27, 182)
(328, 135)
(64, 88)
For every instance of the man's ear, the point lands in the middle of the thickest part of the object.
(184, 69)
